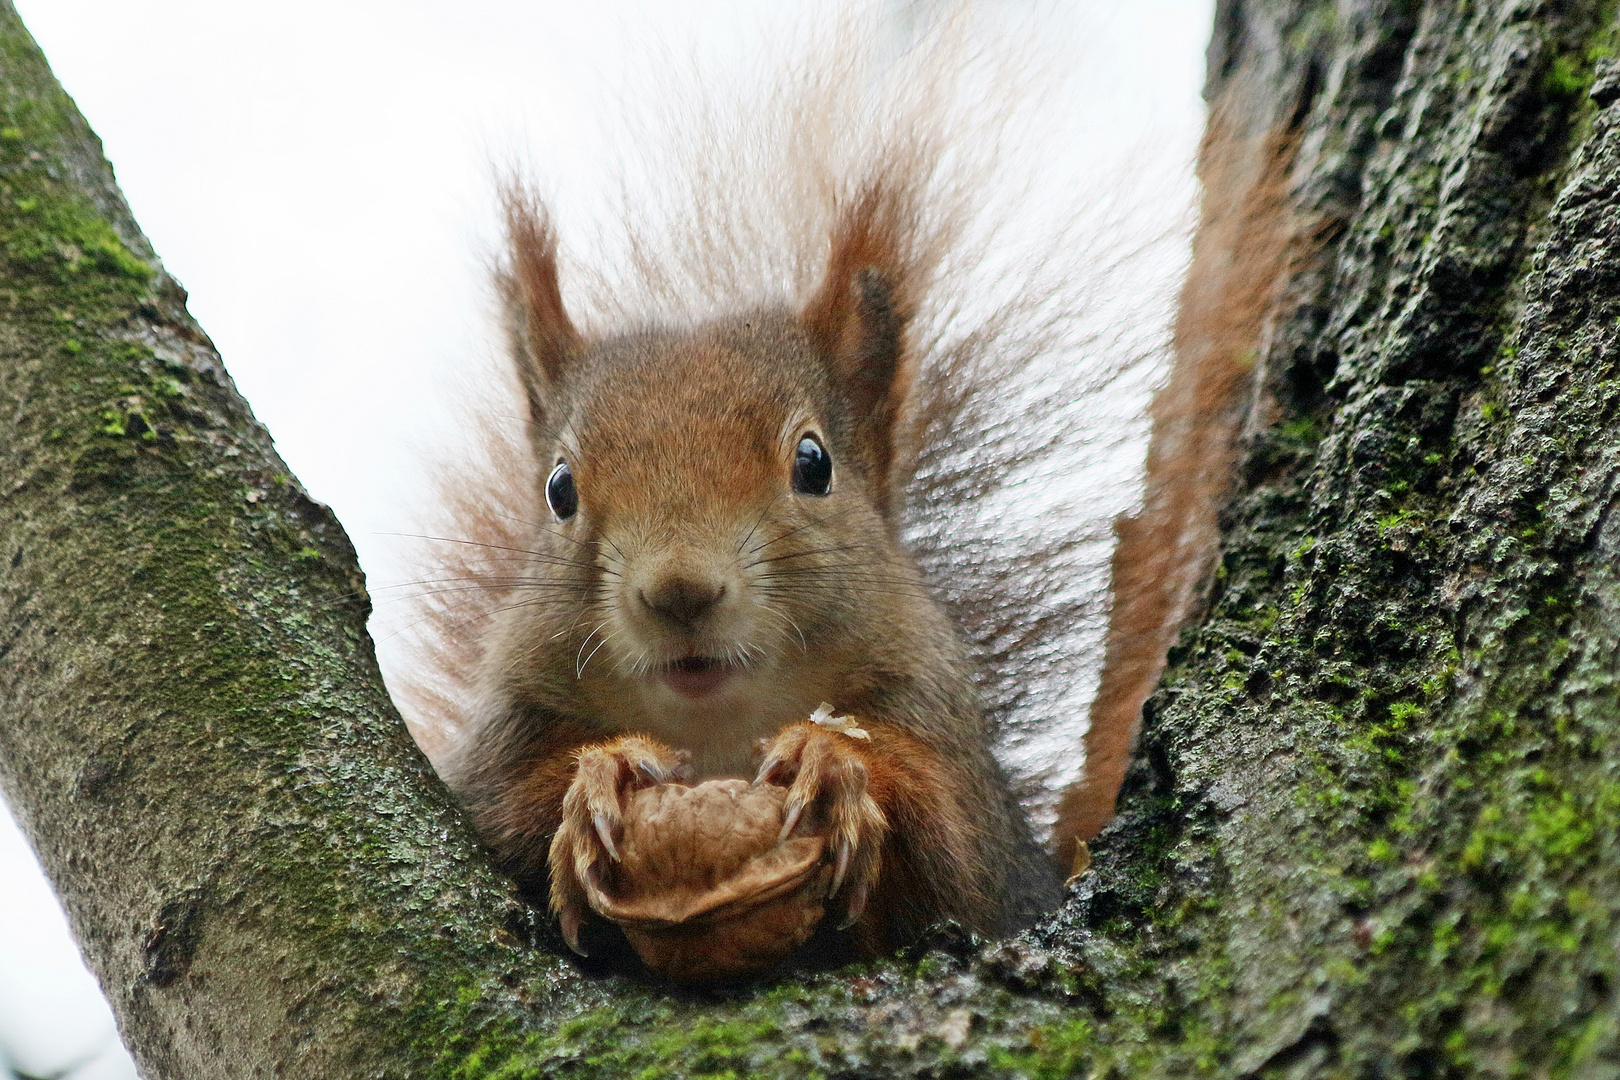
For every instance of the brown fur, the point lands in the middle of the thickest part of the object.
(1245, 246)
(533, 300)
(912, 781)
(830, 289)
(681, 444)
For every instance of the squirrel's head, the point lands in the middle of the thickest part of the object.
(719, 502)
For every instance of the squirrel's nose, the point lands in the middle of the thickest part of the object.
(682, 602)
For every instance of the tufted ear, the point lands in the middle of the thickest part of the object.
(541, 336)
(860, 313)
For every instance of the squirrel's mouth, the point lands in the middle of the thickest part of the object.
(697, 676)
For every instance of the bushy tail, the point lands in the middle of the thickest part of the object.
(1246, 243)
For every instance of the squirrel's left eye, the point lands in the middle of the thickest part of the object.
(812, 467)
(560, 493)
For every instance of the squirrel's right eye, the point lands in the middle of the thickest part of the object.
(560, 493)
(812, 467)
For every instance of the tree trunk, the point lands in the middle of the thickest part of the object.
(1370, 828)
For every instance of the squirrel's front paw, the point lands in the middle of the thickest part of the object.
(592, 816)
(826, 779)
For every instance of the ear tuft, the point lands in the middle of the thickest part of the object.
(542, 336)
(860, 314)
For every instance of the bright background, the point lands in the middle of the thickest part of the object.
(318, 174)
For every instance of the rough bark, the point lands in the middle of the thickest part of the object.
(255, 858)
(1370, 829)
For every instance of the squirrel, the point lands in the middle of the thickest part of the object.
(721, 553)
(702, 533)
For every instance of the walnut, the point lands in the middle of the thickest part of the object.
(703, 890)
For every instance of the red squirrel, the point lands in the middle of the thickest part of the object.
(720, 553)
(700, 537)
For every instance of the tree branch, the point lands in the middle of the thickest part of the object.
(258, 863)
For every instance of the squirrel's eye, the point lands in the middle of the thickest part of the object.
(812, 467)
(560, 493)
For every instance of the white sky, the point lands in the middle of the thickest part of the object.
(317, 174)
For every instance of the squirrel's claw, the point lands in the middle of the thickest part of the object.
(856, 906)
(765, 770)
(840, 867)
(826, 775)
(592, 809)
(790, 817)
(570, 920)
(604, 829)
(672, 765)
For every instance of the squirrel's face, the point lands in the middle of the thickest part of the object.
(714, 524)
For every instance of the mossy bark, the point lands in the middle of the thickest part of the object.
(1372, 825)
(259, 865)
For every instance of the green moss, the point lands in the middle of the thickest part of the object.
(63, 237)
(1569, 77)
(1048, 1053)
(947, 1022)
(1302, 432)
(50, 231)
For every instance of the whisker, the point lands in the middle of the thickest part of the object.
(863, 593)
(580, 673)
(788, 620)
(823, 581)
(798, 529)
(579, 664)
(757, 523)
(861, 588)
(425, 593)
(464, 619)
(550, 530)
(828, 573)
(433, 617)
(619, 664)
(481, 581)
